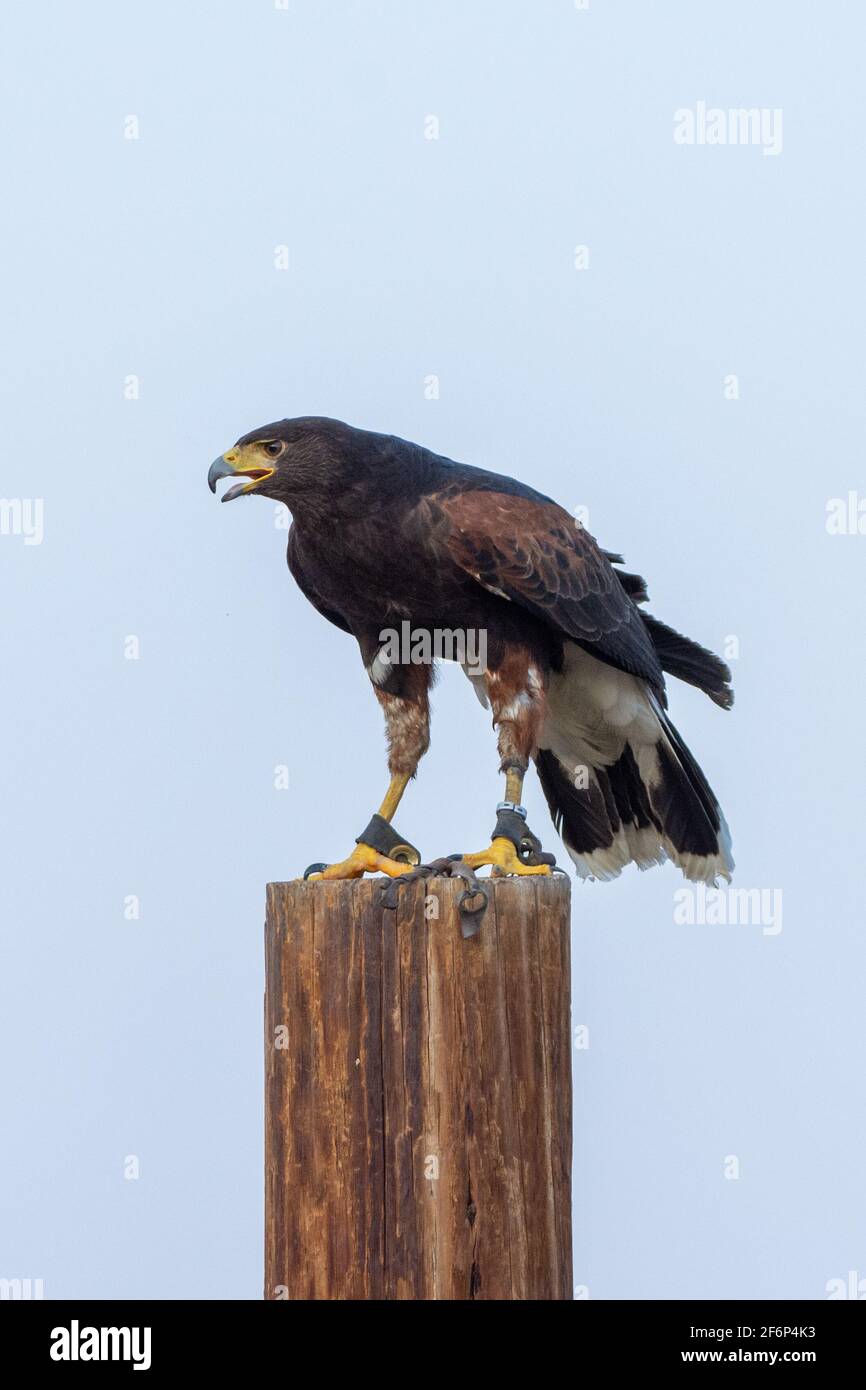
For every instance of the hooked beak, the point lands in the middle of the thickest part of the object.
(231, 465)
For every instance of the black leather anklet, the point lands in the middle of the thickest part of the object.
(381, 836)
(510, 825)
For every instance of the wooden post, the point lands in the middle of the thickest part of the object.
(418, 1093)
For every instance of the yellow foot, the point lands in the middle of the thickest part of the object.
(504, 859)
(363, 860)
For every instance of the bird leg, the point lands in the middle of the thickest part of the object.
(513, 848)
(515, 689)
(379, 848)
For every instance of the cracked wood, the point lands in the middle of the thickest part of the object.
(418, 1093)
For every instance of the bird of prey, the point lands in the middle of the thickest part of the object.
(385, 533)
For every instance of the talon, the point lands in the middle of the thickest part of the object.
(363, 860)
(503, 858)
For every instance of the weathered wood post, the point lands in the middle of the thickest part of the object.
(418, 1093)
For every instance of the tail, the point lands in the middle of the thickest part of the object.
(621, 785)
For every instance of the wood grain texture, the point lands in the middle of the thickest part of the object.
(418, 1093)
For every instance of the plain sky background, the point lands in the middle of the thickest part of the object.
(604, 388)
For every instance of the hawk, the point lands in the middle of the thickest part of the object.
(388, 537)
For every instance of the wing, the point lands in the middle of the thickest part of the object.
(530, 551)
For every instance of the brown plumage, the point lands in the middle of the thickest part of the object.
(385, 532)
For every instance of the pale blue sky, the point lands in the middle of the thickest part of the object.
(603, 387)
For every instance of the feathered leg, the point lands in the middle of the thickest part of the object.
(379, 848)
(516, 692)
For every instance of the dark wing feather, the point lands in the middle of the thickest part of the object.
(679, 656)
(532, 552)
(634, 584)
(690, 662)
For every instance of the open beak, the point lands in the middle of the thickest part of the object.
(232, 465)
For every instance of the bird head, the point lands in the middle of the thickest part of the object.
(286, 461)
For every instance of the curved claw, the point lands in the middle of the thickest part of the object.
(313, 870)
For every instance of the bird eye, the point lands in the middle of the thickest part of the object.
(274, 448)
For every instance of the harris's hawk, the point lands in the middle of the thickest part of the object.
(388, 538)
